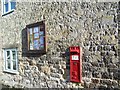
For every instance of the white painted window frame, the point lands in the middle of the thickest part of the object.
(11, 70)
(9, 7)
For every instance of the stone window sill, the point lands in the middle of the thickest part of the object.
(8, 12)
(11, 72)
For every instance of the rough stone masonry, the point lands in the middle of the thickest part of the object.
(93, 26)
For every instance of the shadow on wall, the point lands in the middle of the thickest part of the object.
(67, 71)
(24, 42)
(6, 87)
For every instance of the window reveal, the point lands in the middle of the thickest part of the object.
(10, 60)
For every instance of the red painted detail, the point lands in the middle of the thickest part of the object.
(75, 64)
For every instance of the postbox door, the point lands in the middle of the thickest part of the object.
(75, 64)
(75, 74)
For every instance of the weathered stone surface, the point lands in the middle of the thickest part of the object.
(93, 26)
(45, 69)
(95, 81)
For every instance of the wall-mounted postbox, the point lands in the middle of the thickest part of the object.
(75, 64)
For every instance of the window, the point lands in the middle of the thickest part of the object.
(36, 37)
(10, 60)
(8, 6)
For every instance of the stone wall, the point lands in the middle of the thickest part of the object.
(93, 26)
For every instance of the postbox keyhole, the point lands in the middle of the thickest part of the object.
(75, 63)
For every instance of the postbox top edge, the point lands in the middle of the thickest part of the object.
(74, 48)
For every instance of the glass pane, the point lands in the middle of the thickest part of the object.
(6, 7)
(41, 33)
(41, 40)
(30, 31)
(8, 54)
(36, 47)
(31, 42)
(36, 29)
(8, 64)
(6, 1)
(41, 46)
(36, 35)
(14, 65)
(36, 44)
(13, 5)
(14, 55)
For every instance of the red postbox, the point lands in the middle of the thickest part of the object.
(75, 64)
